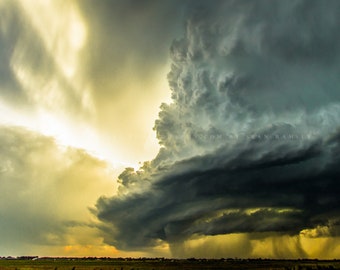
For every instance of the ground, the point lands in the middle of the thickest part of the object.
(161, 263)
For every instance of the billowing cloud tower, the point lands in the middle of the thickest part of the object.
(250, 141)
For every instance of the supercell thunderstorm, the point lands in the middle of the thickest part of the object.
(250, 142)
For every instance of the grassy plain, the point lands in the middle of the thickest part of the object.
(162, 264)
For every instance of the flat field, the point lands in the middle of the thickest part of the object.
(164, 264)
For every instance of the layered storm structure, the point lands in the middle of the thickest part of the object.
(250, 140)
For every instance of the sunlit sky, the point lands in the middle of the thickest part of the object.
(76, 71)
(169, 128)
(81, 80)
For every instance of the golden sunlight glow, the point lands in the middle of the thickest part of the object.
(316, 232)
(65, 131)
(61, 92)
(62, 38)
(52, 97)
(265, 245)
(38, 88)
(77, 32)
(290, 247)
(90, 250)
(217, 246)
(63, 41)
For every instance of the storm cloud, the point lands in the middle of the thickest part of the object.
(250, 141)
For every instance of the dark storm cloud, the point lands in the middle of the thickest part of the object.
(250, 142)
(288, 189)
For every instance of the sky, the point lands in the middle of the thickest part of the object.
(170, 128)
